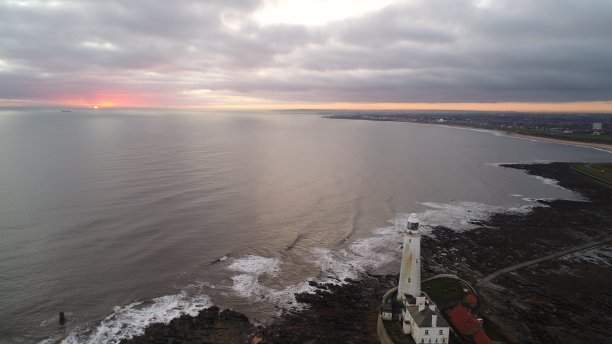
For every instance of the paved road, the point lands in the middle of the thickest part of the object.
(487, 279)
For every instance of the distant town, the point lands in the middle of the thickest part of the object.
(596, 128)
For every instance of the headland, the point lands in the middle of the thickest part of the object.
(593, 130)
(564, 299)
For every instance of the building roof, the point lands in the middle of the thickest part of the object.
(423, 318)
(462, 320)
(471, 300)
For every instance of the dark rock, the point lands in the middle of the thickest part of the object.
(541, 304)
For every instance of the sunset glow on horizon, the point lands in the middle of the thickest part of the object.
(587, 107)
(284, 54)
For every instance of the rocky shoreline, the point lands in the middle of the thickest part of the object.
(559, 301)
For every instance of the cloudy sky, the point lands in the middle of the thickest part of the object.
(519, 54)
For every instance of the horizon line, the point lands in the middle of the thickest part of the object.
(601, 107)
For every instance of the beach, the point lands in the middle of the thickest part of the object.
(601, 146)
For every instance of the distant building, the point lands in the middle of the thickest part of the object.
(597, 128)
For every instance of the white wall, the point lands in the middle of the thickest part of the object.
(433, 334)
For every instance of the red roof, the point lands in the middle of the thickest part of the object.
(462, 320)
(480, 337)
(471, 300)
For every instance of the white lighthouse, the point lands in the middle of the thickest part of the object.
(410, 273)
(420, 317)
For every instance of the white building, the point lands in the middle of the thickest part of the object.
(423, 321)
(420, 316)
(597, 127)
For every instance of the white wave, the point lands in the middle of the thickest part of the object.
(456, 216)
(253, 267)
(385, 245)
(132, 319)
(336, 265)
(247, 284)
(362, 255)
(461, 216)
(549, 181)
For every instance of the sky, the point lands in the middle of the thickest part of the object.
(526, 55)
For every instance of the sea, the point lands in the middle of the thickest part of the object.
(121, 218)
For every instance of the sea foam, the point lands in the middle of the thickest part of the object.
(132, 319)
(549, 181)
(247, 283)
(382, 247)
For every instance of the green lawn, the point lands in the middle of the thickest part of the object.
(599, 171)
(606, 168)
(444, 291)
(583, 137)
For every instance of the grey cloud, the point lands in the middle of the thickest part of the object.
(418, 51)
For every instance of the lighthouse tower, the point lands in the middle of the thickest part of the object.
(410, 273)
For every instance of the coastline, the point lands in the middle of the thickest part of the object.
(523, 306)
(600, 146)
(595, 145)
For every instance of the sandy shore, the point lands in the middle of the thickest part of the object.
(601, 146)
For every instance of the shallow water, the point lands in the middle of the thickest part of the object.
(128, 217)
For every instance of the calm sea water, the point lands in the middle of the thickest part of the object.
(121, 218)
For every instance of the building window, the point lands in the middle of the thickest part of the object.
(417, 260)
(440, 332)
(422, 340)
(426, 332)
(408, 279)
(409, 240)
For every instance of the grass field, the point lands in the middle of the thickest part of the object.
(444, 291)
(601, 172)
(580, 137)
